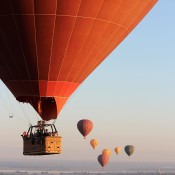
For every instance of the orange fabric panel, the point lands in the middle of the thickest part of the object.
(65, 89)
(44, 36)
(43, 88)
(72, 87)
(90, 9)
(66, 7)
(106, 14)
(63, 31)
(60, 103)
(50, 88)
(56, 89)
(43, 7)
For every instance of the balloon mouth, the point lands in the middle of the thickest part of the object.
(46, 107)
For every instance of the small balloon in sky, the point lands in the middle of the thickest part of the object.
(103, 159)
(117, 150)
(85, 126)
(94, 143)
(106, 151)
(129, 149)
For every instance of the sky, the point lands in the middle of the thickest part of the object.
(130, 98)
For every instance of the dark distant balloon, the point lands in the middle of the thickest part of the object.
(103, 159)
(129, 149)
(85, 127)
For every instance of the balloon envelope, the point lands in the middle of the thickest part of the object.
(94, 143)
(106, 151)
(103, 159)
(117, 150)
(129, 149)
(49, 47)
(85, 126)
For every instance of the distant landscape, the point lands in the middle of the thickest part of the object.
(44, 167)
(84, 173)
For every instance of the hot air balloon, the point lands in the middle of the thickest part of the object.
(85, 126)
(117, 150)
(106, 151)
(129, 149)
(94, 143)
(49, 47)
(103, 159)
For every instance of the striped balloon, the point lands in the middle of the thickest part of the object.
(85, 126)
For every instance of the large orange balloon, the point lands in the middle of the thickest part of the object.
(85, 126)
(94, 143)
(103, 159)
(49, 47)
(106, 151)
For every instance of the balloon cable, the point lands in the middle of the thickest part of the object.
(3, 101)
(10, 116)
(27, 119)
(54, 121)
(34, 112)
(10, 103)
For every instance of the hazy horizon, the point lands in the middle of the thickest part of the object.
(32, 165)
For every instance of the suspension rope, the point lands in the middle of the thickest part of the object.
(26, 117)
(34, 112)
(9, 102)
(20, 118)
(54, 121)
(3, 101)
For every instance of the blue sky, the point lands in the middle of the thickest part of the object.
(130, 98)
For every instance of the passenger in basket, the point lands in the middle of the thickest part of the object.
(56, 133)
(37, 134)
(46, 133)
(24, 134)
